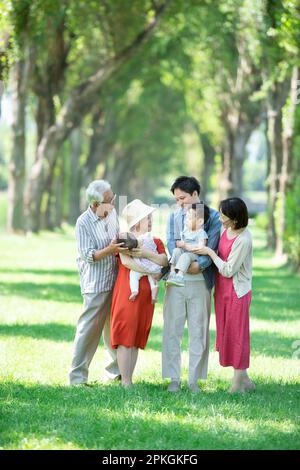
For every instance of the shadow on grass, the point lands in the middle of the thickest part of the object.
(52, 331)
(266, 307)
(262, 342)
(51, 272)
(276, 294)
(272, 344)
(155, 339)
(58, 292)
(147, 417)
(63, 332)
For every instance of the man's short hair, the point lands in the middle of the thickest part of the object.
(188, 184)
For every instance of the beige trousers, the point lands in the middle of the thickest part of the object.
(94, 319)
(192, 304)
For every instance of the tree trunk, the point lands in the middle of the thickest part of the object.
(45, 113)
(285, 176)
(238, 130)
(57, 196)
(76, 107)
(75, 176)
(98, 146)
(46, 221)
(209, 154)
(123, 172)
(126, 174)
(5, 46)
(15, 218)
(241, 138)
(1, 88)
(274, 157)
(48, 81)
(42, 169)
(239, 116)
(225, 188)
(276, 101)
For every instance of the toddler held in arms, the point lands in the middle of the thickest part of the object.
(192, 237)
(149, 268)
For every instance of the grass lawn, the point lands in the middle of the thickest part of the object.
(39, 306)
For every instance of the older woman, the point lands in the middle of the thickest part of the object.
(131, 320)
(233, 291)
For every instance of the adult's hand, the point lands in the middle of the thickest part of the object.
(204, 250)
(130, 263)
(139, 252)
(190, 248)
(111, 249)
(160, 259)
(115, 247)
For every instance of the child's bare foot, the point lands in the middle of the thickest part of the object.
(133, 296)
(154, 294)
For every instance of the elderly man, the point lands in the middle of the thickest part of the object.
(190, 303)
(96, 232)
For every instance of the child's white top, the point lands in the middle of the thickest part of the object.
(193, 237)
(146, 264)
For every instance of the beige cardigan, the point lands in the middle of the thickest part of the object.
(239, 263)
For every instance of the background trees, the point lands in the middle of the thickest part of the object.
(140, 91)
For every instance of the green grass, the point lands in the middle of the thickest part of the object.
(40, 303)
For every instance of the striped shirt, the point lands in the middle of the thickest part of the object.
(92, 234)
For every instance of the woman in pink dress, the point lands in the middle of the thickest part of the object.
(233, 291)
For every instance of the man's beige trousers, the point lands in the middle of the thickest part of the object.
(192, 304)
(94, 319)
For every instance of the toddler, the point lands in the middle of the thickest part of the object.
(149, 267)
(192, 235)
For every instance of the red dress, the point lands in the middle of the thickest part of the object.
(232, 317)
(130, 322)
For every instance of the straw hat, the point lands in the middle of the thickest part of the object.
(135, 211)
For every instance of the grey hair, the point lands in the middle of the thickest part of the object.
(96, 190)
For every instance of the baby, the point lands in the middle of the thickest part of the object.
(192, 235)
(150, 269)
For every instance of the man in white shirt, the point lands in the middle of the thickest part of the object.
(96, 231)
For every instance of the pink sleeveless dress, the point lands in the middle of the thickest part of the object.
(232, 317)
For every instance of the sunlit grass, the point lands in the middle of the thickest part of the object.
(40, 302)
